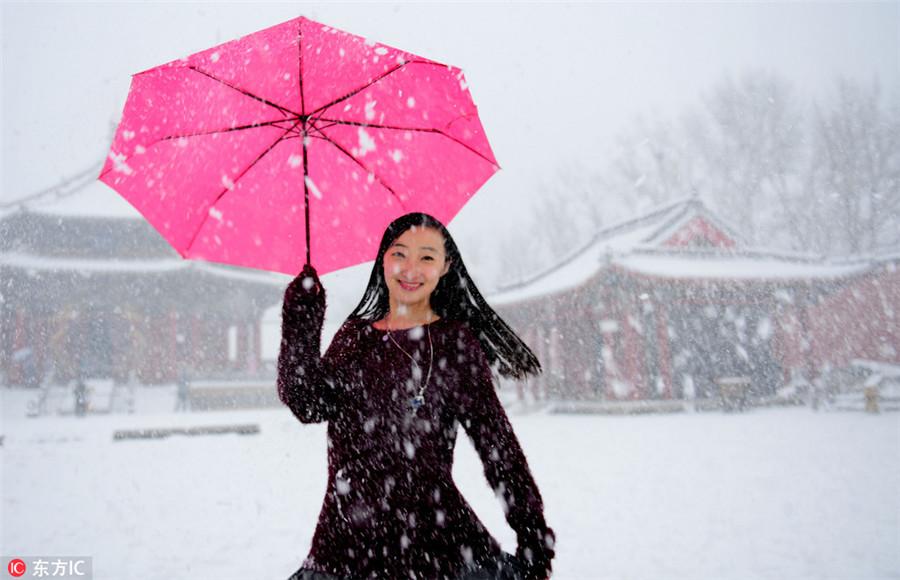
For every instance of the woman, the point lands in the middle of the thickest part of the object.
(410, 365)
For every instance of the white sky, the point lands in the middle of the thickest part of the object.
(554, 82)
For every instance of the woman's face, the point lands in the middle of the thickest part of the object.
(413, 266)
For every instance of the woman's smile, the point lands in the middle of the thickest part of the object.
(410, 286)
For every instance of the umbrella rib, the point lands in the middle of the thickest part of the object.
(300, 67)
(243, 91)
(358, 162)
(372, 82)
(470, 148)
(230, 129)
(224, 191)
(412, 129)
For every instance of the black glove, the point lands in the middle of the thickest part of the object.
(304, 299)
(536, 552)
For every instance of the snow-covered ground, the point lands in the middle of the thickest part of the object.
(771, 493)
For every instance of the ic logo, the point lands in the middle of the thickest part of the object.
(16, 568)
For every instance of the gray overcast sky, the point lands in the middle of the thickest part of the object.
(553, 81)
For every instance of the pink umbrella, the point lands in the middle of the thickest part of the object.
(240, 153)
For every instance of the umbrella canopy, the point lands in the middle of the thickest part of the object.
(297, 135)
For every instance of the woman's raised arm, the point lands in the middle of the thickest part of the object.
(304, 384)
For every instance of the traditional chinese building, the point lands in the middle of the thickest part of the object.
(670, 304)
(89, 288)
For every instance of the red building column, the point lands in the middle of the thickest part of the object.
(17, 366)
(807, 339)
(633, 353)
(665, 357)
(609, 329)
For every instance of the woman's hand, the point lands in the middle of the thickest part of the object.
(536, 552)
(305, 285)
(304, 299)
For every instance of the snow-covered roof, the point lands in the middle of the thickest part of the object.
(639, 246)
(84, 196)
(673, 218)
(737, 266)
(733, 266)
(584, 263)
(86, 266)
(38, 263)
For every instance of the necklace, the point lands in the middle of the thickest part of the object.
(418, 401)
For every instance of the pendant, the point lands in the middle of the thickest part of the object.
(418, 402)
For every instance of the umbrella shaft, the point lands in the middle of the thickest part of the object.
(306, 192)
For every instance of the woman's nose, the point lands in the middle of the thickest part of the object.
(404, 267)
(410, 268)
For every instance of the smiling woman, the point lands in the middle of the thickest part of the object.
(410, 365)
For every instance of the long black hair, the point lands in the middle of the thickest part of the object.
(455, 297)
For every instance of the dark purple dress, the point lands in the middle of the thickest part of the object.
(391, 509)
